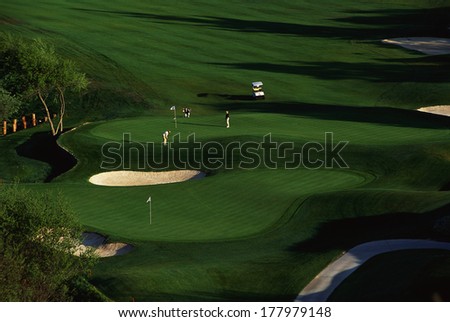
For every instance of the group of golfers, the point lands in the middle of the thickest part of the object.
(187, 113)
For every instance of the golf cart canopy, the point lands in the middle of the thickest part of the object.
(257, 90)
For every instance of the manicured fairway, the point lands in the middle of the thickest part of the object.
(243, 234)
(323, 52)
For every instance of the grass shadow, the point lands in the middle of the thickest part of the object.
(364, 24)
(349, 232)
(228, 96)
(43, 146)
(384, 70)
(378, 115)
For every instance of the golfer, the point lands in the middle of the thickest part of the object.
(227, 119)
(166, 136)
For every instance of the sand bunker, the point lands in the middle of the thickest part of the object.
(101, 249)
(426, 45)
(438, 109)
(113, 249)
(138, 178)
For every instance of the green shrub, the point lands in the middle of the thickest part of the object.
(38, 233)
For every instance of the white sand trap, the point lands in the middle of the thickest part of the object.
(113, 249)
(426, 45)
(139, 178)
(101, 249)
(438, 109)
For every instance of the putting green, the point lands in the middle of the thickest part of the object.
(293, 127)
(228, 205)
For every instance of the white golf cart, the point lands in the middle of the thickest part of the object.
(257, 90)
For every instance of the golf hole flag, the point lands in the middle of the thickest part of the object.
(173, 108)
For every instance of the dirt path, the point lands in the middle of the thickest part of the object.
(321, 287)
(425, 45)
(438, 109)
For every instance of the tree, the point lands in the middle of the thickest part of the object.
(34, 69)
(38, 234)
(9, 104)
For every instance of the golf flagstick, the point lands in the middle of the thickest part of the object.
(174, 109)
(149, 201)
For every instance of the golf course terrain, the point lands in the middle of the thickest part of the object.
(251, 229)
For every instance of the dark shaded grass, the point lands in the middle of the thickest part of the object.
(43, 146)
(401, 276)
(366, 24)
(383, 70)
(365, 114)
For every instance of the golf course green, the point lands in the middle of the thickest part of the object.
(258, 232)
